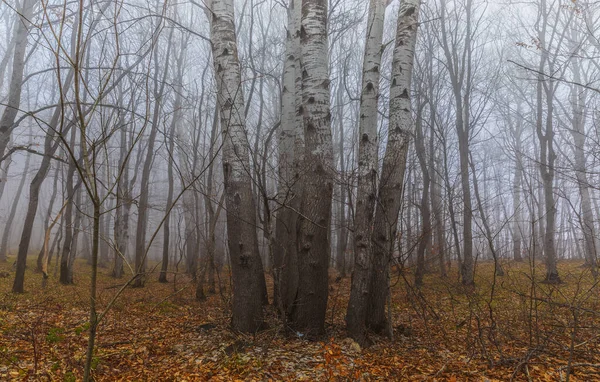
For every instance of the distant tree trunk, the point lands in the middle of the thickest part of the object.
(356, 315)
(93, 321)
(170, 138)
(425, 237)
(537, 214)
(249, 288)
(103, 245)
(517, 132)
(13, 102)
(34, 192)
(123, 205)
(437, 205)
(191, 241)
(166, 224)
(545, 133)
(467, 265)
(78, 232)
(410, 258)
(212, 216)
(56, 246)
(578, 105)
(313, 245)
(342, 236)
(66, 276)
(198, 213)
(45, 259)
(42, 253)
(400, 128)
(50, 147)
(4, 167)
(435, 169)
(142, 222)
(450, 196)
(51, 144)
(13, 211)
(461, 76)
(210, 252)
(487, 230)
(9, 52)
(547, 172)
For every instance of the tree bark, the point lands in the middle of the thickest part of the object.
(246, 265)
(290, 132)
(356, 315)
(400, 128)
(313, 242)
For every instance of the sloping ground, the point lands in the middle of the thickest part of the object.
(527, 331)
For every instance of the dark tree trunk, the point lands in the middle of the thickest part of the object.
(425, 238)
(247, 270)
(40, 258)
(394, 165)
(13, 211)
(313, 245)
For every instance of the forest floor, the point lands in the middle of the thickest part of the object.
(508, 328)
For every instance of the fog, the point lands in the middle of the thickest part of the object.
(103, 90)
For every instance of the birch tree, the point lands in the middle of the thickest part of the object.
(356, 315)
(289, 128)
(401, 127)
(249, 288)
(313, 244)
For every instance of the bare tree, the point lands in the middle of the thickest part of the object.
(400, 129)
(20, 34)
(284, 258)
(249, 288)
(459, 68)
(356, 316)
(13, 210)
(313, 248)
(143, 204)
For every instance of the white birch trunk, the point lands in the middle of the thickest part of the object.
(310, 304)
(367, 173)
(400, 129)
(247, 269)
(289, 128)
